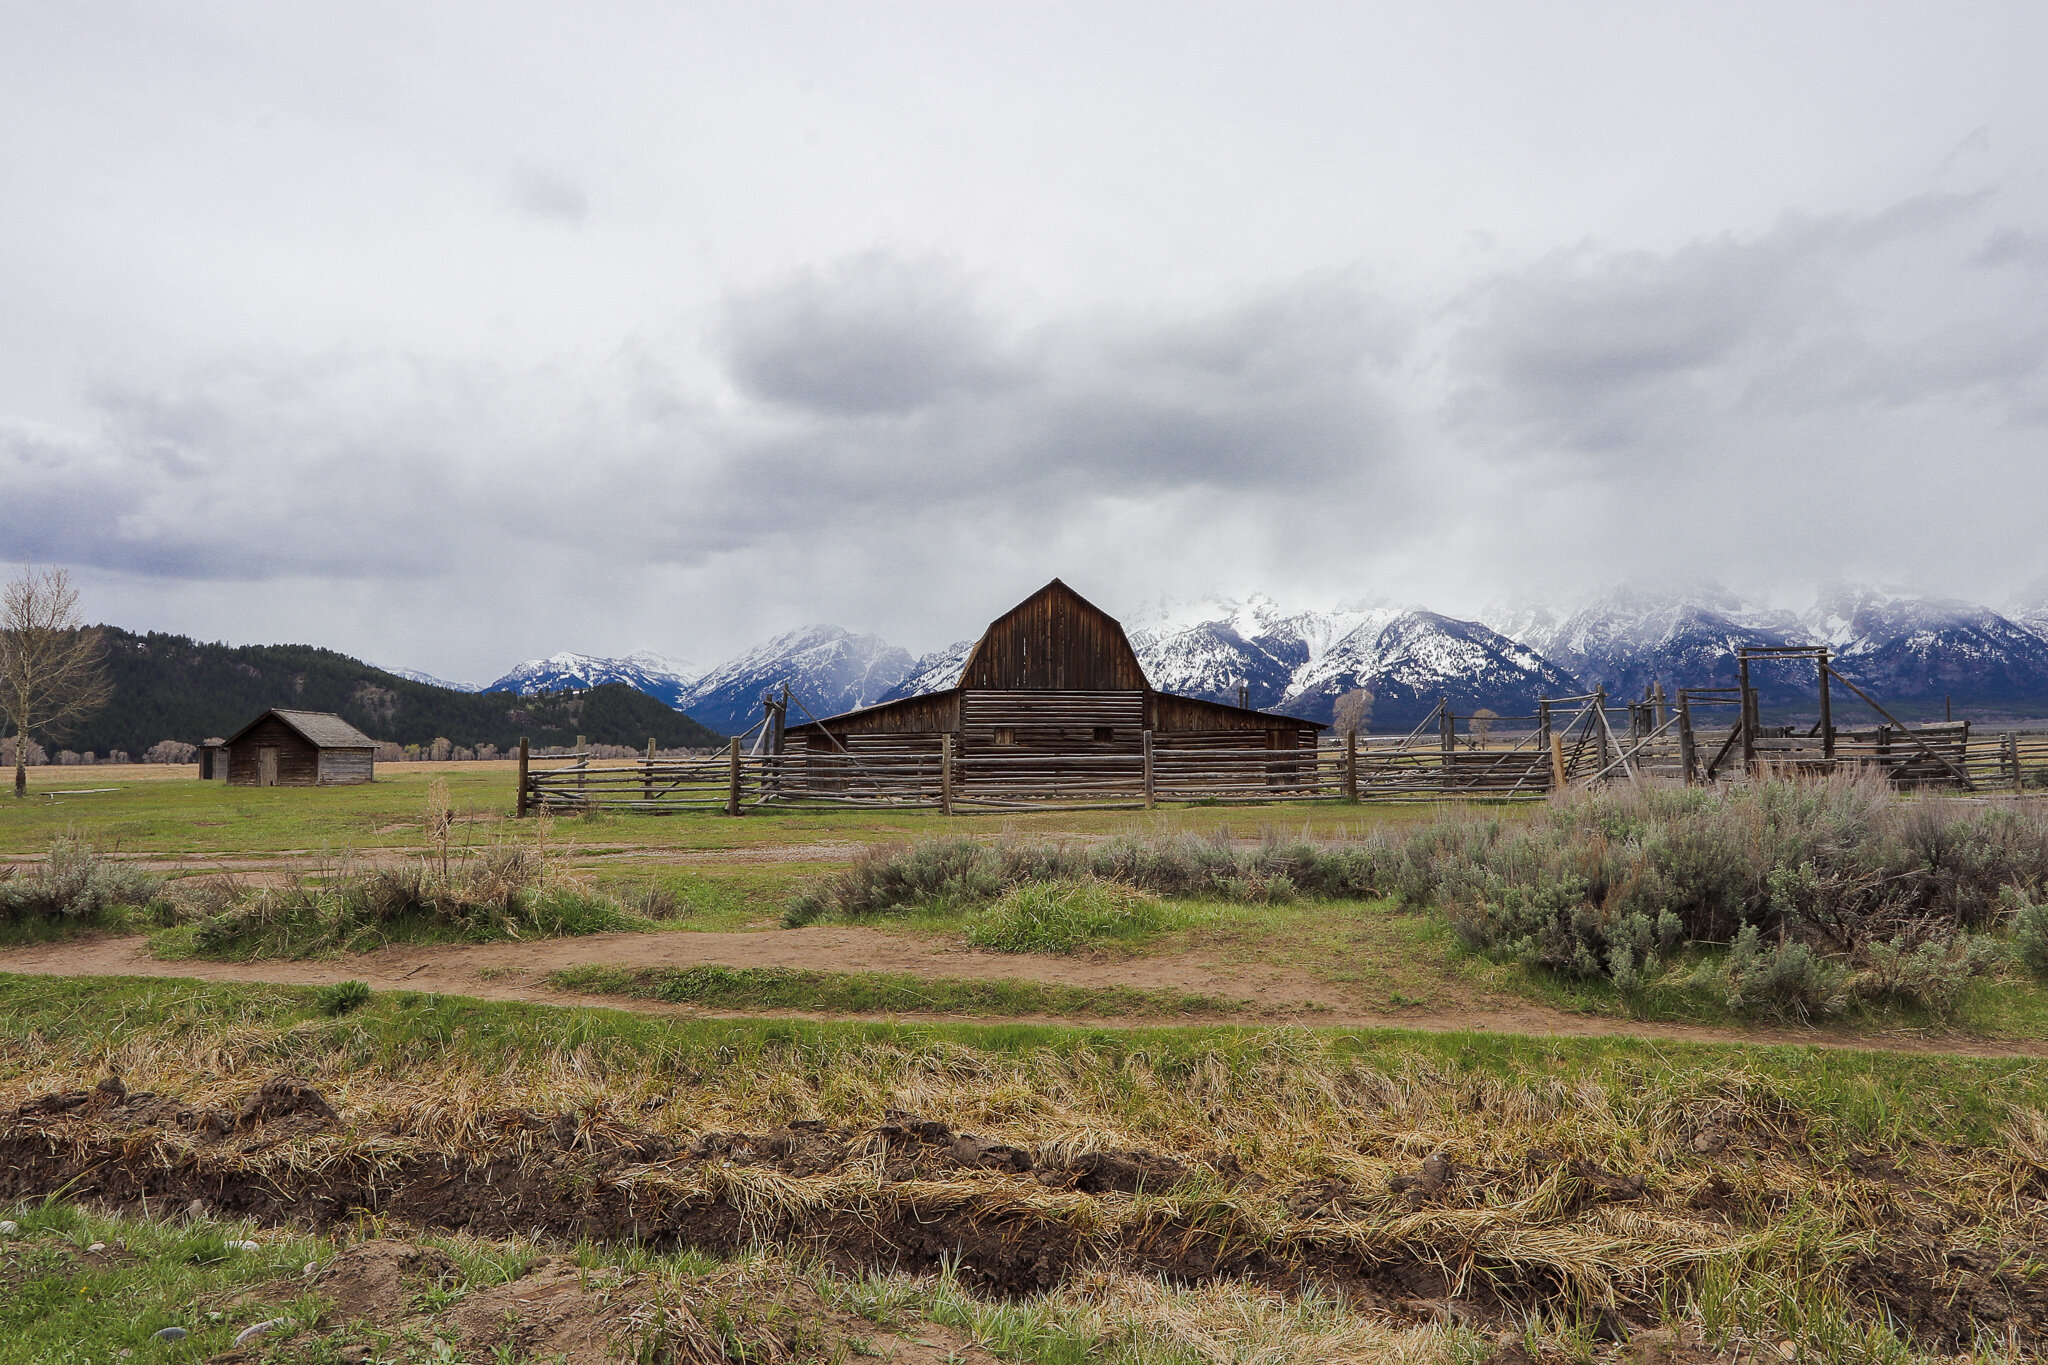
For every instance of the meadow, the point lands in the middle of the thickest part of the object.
(1208, 1084)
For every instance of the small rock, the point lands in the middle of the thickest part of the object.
(1709, 1142)
(196, 1209)
(97, 1246)
(8, 1227)
(244, 1246)
(127, 1351)
(251, 1332)
(169, 1334)
(312, 1269)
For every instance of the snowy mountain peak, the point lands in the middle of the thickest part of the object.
(656, 675)
(414, 675)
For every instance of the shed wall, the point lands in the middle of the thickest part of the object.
(345, 767)
(298, 763)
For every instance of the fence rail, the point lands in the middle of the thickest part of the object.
(1580, 743)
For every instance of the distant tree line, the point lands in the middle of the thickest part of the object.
(170, 689)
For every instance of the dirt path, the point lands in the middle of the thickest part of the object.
(518, 971)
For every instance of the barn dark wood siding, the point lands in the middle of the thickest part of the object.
(298, 762)
(1192, 723)
(1055, 640)
(933, 713)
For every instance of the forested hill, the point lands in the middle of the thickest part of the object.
(172, 687)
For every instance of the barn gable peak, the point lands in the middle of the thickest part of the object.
(1054, 640)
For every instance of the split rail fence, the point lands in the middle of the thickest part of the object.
(1694, 735)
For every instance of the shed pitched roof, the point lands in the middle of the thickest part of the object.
(321, 729)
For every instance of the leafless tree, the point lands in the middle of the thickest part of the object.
(1482, 726)
(1352, 711)
(52, 669)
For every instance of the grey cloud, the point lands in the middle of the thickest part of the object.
(876, 333)
(1286, 385)
(546, 194)
(2013, 246)
(1620, 353)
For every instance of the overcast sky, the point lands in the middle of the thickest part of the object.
(453, 335)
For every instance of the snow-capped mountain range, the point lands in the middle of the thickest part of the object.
(1905, 648)
(827, 669)
(655, 674)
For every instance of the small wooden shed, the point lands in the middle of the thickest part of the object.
(299, 749)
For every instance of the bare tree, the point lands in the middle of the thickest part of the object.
(1352, 711)
(52, 670)
(1482, 726)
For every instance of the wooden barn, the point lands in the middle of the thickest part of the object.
(1055, 678)
(298, 749)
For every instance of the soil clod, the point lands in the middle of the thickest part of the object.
(283, 1097)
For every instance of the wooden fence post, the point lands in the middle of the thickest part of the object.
(2012, 747)
(1688, 753)
(1351, 765)
(522, 777)
(1827, 713)
(946, 774)
(1556, 761)
(732, 779)
(1749, 708)
(582, 764)
(647, 787)
(1151, 787)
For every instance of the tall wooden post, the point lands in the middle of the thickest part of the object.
(2012, 750)
(522, 777)
(1688, 753)
(1151, 782)
(1748, 720)
(582, 764)
(1351, 765)
(1599, 728)
(1827, 713)
(647, 784)
(1556, 761)
(732, 777)
(1657, 704)
(1543, 725)
(946, 774)
(1447, 728)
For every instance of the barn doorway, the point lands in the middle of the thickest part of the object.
(266, 767)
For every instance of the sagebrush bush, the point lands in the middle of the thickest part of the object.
(1932, 973)
(1836, 864)
(1059, 917)
(961, 874)
(77, 885)
(496, 892)
(1786, 980)
(2028, 918)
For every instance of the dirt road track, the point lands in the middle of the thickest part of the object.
(517, 971)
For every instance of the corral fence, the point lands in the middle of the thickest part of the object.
(1704, 734)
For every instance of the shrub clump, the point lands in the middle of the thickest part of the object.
(1059, 917)
(499, 892)
(75, 885)
(961, 874)
(1821, 890)
(343, 997)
